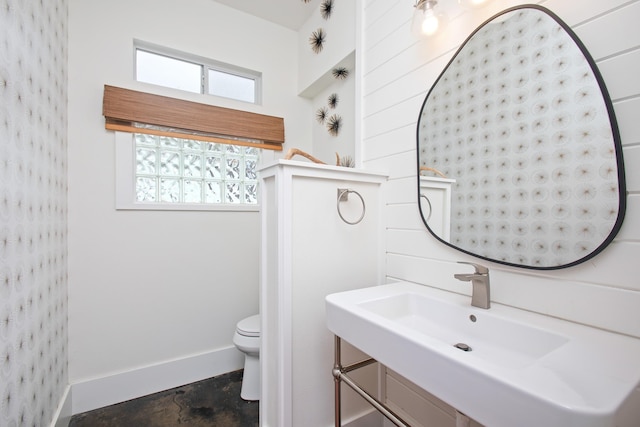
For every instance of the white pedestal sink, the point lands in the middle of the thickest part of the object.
(523, 369)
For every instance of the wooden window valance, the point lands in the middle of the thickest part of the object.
(139, 112)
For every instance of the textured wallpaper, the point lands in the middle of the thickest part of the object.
(33, 210)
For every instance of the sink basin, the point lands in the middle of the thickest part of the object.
(503, 367)
(496, 340)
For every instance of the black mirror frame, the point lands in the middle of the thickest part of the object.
(614, 128)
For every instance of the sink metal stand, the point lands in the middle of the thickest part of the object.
(340, 375)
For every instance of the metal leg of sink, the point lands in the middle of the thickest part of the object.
(337, 372)
(340, 375)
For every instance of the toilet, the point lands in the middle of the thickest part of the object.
(247, 340)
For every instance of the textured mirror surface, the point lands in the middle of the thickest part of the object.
(521, 122)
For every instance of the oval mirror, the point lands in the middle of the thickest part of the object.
(519, 152)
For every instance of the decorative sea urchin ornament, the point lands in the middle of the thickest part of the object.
(340, 73)
(334, 123)
(317, 40)
(346, 161)
(321, 115)
(326, 8)
(333, 100)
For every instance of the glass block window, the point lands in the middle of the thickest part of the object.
(174, 170)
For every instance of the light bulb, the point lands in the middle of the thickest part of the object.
(430, 23)
(426, 19)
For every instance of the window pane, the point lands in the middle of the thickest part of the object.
(168, 72)
(145, 161)
(144, 139)
(214, 167)
(213, 192)
(233, 168)
(170, 163)
(146, 189)
(218, 148)
(233, 192)
(167, 141)
(169, 190)
(193, 191)
(233, 149)
(192, 165)
(251, 193)
(250, 169)
(192, 145)
(232, 86)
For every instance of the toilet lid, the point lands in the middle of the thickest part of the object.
(249, 327)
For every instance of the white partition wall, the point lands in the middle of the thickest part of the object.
(308, 252)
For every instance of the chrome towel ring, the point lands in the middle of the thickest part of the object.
(424, 196)
(343, 196)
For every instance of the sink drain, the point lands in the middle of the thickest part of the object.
(462, 346)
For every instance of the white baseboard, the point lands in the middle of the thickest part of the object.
(105, 391)
(63, 413)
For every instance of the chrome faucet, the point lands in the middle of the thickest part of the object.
(480, 296)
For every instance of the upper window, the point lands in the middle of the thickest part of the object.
(179, 70)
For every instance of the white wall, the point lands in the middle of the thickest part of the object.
(340, 30)
(150, 287)
(316, 81)
(398, 72)
(326, 145)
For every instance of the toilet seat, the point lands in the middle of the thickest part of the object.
(249, 327)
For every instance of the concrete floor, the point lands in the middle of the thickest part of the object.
(208, 403)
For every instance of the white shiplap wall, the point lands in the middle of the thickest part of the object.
(398, 70)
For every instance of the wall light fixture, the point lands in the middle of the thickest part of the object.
(426, 18)
(429, 17)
